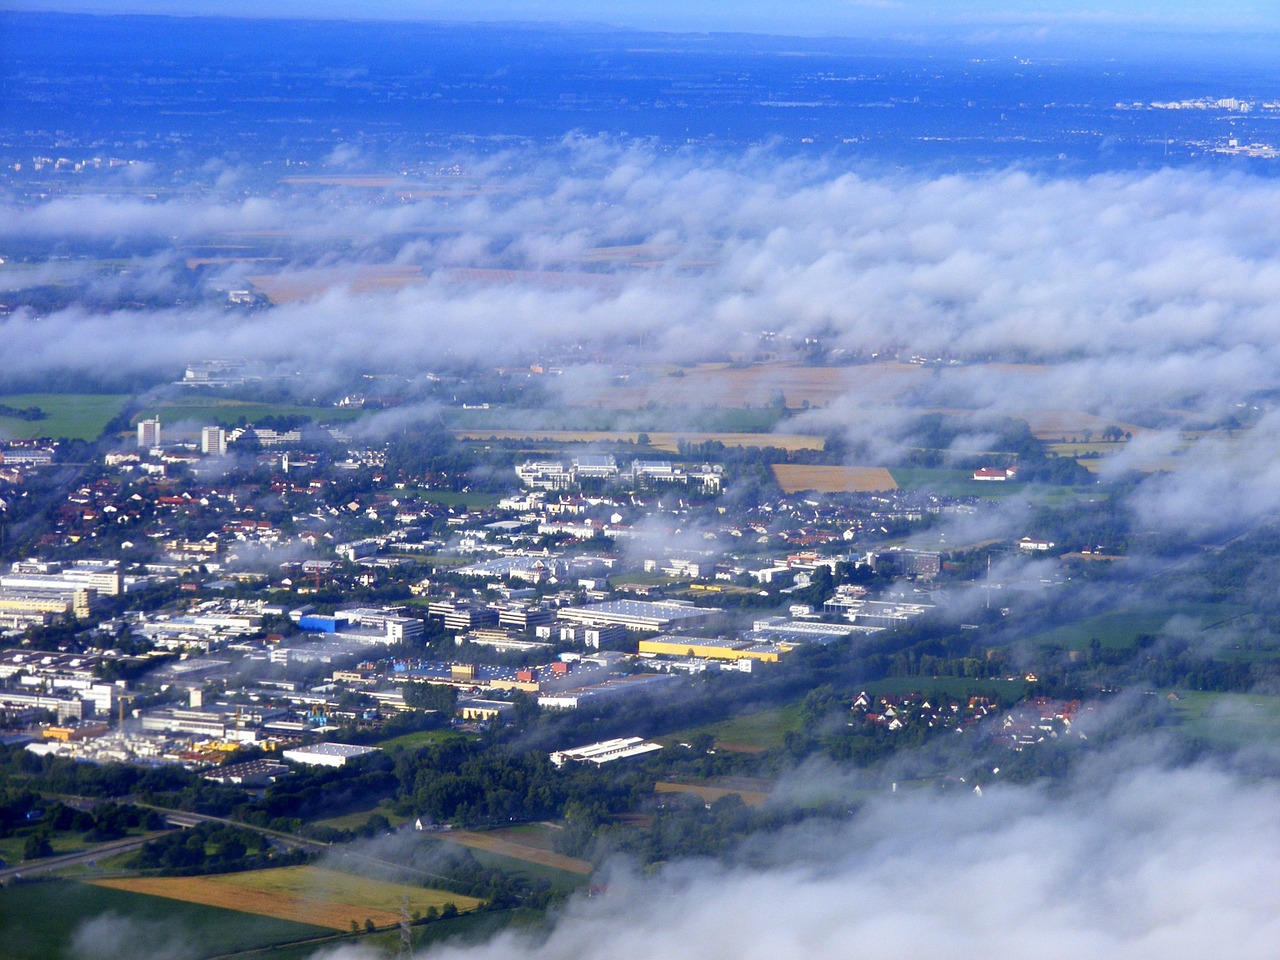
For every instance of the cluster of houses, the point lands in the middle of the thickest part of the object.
(1023, 725)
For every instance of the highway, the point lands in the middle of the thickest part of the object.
(49, 864)
(175, 818)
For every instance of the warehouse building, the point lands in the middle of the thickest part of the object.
(605, 751)
(327, 754)
(641, 614)
(714, 648)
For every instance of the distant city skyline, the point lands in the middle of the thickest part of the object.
(993, 20)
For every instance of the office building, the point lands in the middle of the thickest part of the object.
(149, 434)
(213, 441)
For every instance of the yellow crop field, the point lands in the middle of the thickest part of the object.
(659, 441)
(323, 898)
(793, 477)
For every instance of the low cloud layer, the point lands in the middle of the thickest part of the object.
(1147, 300)
(1127, 862)
(1175, 269)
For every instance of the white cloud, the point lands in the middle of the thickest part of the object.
(1149, 294)
(1124, 863)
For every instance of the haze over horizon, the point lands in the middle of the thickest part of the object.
(1052, 23)
(605, 230)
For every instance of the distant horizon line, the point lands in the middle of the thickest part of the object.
(1136, 30)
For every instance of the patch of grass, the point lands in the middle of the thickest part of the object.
(357, 819)
(762, 730)
(412, 741)
(71, 416)
(1119, 629)
(11, 847)
(1247, 654)
(960, 483)
(562, 881)
(62, 841)
(57, 918)
(1229, 719)
(953, 483)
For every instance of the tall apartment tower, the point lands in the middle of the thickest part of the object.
(149, 433)
(213, 440)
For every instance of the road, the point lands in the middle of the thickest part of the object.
(185, 819)
(49, 864)
(175, 818)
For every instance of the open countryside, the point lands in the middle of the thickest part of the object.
(311, 895)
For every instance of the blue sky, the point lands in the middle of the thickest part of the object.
(1008, 19)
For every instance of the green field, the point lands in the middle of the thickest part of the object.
(356, 820)
(762, 730)
(62, 842)
(561, 880)
(953, 483)
(71, 416)
(1229, 719)
(960, 483)
(61, 918)
(421, 738)
(1118, 629)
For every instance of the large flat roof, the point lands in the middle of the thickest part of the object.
(347, 750)
(645, 612)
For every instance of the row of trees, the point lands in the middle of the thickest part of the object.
(209, 848)
(25, 813)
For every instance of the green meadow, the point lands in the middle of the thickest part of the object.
(55, 919)
(69, 416)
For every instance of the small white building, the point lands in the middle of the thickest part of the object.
(1032, 543)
